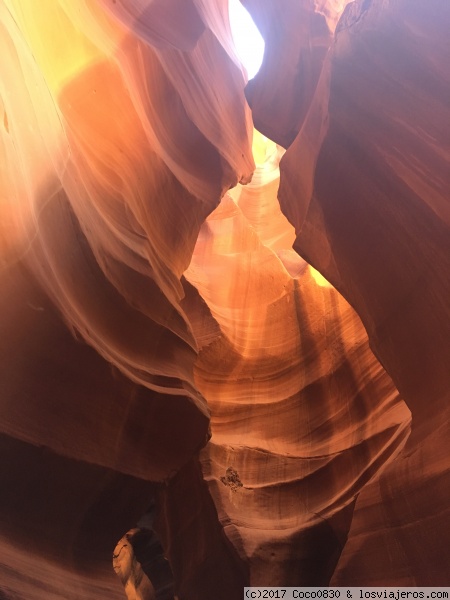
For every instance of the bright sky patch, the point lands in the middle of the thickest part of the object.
(247, 39)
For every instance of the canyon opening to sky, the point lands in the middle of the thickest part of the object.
(247, 39)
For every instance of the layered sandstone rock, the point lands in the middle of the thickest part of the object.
(165, 351)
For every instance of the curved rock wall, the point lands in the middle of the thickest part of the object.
(374, 221)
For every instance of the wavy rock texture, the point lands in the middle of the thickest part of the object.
(164, 350)
(291, 437)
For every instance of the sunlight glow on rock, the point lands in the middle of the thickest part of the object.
(319, 278)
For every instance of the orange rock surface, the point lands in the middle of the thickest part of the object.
(224, 352)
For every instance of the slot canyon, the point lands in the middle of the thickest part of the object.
(224, 299)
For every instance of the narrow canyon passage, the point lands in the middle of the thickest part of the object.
(224, 351)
